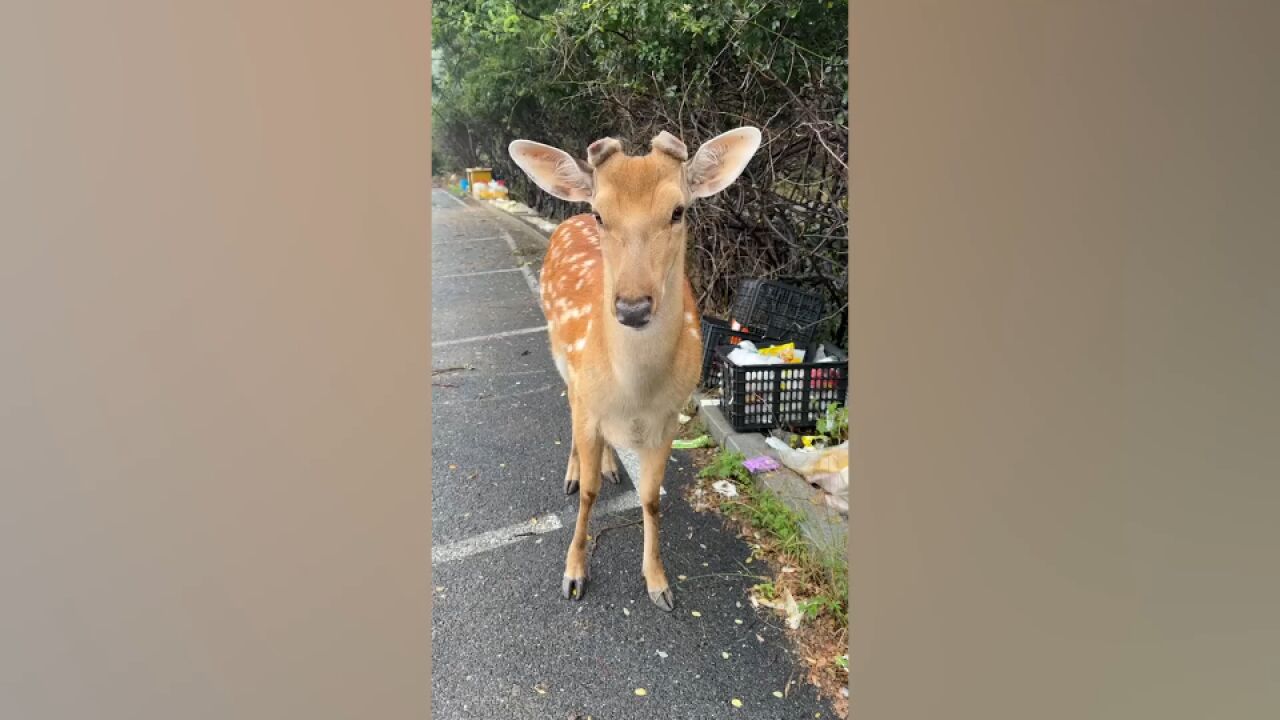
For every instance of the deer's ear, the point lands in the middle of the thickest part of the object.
(721, 160)
(554, 170)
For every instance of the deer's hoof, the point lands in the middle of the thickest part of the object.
(664, 599)
(573, 588)
(570, 486)
(612, 476)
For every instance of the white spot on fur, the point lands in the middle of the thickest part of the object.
(575, 313)
(588, 263)
(581, 343)
(688, 318)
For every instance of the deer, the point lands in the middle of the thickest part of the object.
(623, 323)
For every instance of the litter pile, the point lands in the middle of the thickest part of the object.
(745, 353)
(825, 468)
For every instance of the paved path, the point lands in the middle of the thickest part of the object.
(501, 523)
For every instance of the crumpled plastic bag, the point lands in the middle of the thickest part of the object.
(725, 488)
(746, 353)
(836, 487)
(825, 468)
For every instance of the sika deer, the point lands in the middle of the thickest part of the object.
(625, 332)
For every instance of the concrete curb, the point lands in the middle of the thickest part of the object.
(824, 526)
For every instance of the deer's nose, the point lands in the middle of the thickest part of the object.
(634, 312)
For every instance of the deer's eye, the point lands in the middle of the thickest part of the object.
(677, 215)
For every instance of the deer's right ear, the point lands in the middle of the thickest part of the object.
(554, 170)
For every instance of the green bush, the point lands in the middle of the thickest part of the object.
(568, 73)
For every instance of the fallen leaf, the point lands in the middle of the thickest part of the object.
(724, 655)
(539, 690)
(737, 621)
(794, 614)
(695, 613)
(661, 654)
(453, 467)
(681, 577)
(626, 612)
(759, 638)
(736, 702)
(641, 692)
(777, 693)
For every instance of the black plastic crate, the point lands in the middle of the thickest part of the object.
(777, 310)
(790, 396)
(716, 332)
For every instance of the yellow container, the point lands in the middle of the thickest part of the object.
(476, 176)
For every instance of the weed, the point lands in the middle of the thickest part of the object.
(817, 579)
(727, 465)
(766, 590)
(835, 423)
(821, 576)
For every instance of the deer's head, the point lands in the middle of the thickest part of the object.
(640, 204)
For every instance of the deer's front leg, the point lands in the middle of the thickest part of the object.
(653, 466)
(587, 442)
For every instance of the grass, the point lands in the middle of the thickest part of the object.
(817, 580)
(822, 576)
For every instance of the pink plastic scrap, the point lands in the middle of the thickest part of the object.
(761, 463)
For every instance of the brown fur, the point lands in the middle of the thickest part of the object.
(625, 386)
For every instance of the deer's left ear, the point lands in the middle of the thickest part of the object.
(721, 160)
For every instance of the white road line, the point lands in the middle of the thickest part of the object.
(493, 539)
(628, 500)
(459, 241)
(494, 336)
(631, 461)
(455, 198)
(524, 269)
(473, 274)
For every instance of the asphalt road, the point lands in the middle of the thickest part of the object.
(505, 644)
